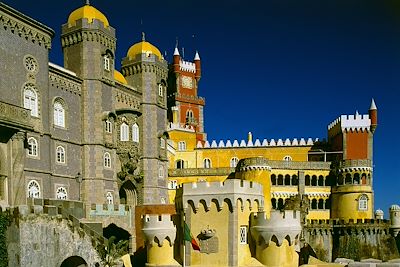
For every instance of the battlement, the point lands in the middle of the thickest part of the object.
(108, 210)
(348, 223)
(187, 66)
(355, 122)
(257, 143)
(255, 163)
(158, 227)
(232, 190)
(180, 127)
(281, 225)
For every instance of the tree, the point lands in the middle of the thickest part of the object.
(111, 252)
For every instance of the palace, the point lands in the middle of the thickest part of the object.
(88, 152)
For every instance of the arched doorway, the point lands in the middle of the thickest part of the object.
(74, 261)
(128, 193)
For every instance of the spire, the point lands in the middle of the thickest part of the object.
(176, 51)
(373, 106)
(196, 56)
(143, 36)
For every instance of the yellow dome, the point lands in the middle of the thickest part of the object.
(143, 47)
(119, 77)
(89, 13)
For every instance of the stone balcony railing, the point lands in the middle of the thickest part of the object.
(353, 163)
(14, 116)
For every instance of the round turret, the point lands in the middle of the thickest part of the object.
(379, 214)
(87, 12)
(395, 219)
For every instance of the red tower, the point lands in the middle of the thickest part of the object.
(185, 107)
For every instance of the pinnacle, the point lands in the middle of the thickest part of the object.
(373, 106)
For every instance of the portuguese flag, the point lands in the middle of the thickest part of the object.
(187, 235)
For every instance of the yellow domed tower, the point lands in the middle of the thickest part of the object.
(352, 195)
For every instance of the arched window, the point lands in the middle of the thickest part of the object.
(314, 204)
(31, 99)
(307, 180)
(328, 203)
(314, 180)
(207, 163)
(32, 147)
(124, 135)
(287, 158)
(273, 202)
(295, 180)
(110, 198)
(33, 189)
(181, 146)
(356, 179)
(162, 143)
(280, 204)
(234, 161)
(160, 90)
(363, 203)
(273, 179)
(59, 114)
(189, 116)
(107, 160)
(287, 179)
(280, 179)
(320, 204)
(340, 179)
(348, 179)
(180, 164)
(363, 178)
(61, 193)
(60, 154)
(160, 172)
(108, 126)
(106, 62)
(320, 180)
(135, 133)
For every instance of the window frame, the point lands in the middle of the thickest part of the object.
(31, 102)
(35, 147)
(29, 186)
(61, 154)
(207, 163)
(124, 132)
(363, 202)
(59, 114)
(62, 189)
(108, 126)
(182, 146)
(106, 63)
(107, 160)
(235, 161)
(110, 198)
(243, 235)
(135, 133)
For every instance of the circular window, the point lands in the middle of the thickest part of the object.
(31, 64)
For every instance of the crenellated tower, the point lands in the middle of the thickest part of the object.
(352, 136)
(146, 72)
(185, 105)
(88, 42)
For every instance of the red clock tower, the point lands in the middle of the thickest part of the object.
(185, 106)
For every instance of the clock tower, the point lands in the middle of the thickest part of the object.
(185, 106)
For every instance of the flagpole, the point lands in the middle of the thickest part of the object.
(183, 240)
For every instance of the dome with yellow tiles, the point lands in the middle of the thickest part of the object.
(88, 12)
(143, 47)
(119, 77)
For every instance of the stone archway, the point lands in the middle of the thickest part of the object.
(128, 193)
(74, 261)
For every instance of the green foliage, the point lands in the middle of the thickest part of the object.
(111, 252)
(5, 220)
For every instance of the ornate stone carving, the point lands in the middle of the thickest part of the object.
(64, 83)
(209, 245)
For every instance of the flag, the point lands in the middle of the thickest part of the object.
(187, 235)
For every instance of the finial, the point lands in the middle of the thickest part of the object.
(196, 56)
(143, 36)
(373, 106)
(88, 2)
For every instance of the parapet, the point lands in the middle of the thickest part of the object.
(281, 225)
(250, 164)
(108, 210)
(230, 190)
(355, 122)
(181, 127)
(187, 66)
(157, 228)
(258, 143)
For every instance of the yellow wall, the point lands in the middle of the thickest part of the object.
(345, 202)
(274, 256)
(161, 255)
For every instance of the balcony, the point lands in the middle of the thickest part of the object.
(12, 116)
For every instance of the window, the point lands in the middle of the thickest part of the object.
(31, 99)
(181, 146)
(180, 164)
(160, 90)
(161, 172)
(60, 151)
(33, 189)
(107, 160)
(61, 193)
(110, 198)
(135, 133)
(106, 61)
(189, 116)
(234, 161)
(363, 203)
(162, 142)
(108, 126)
(287, 158)
(243, 235)
(32, 147)
(207, 163)
(124, 132)
(59, 114)
(173, 184)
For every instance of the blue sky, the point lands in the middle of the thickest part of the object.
(280, 69)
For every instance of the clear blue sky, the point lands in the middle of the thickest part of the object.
(281, 69)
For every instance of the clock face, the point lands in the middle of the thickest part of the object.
(187, 82)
